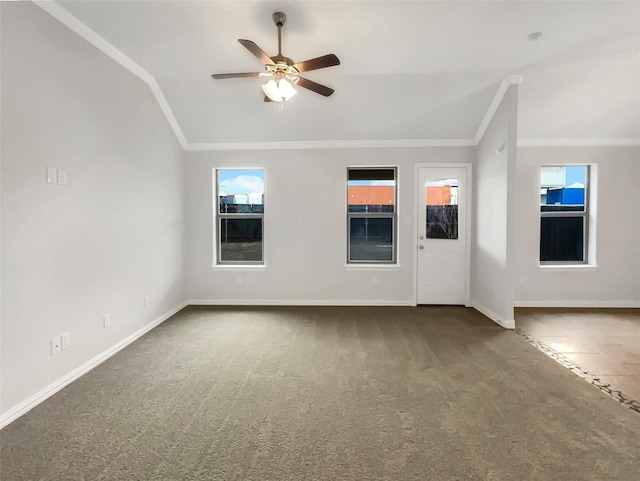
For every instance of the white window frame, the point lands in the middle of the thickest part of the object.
(585, 214)
(219, 217)
(380, 215)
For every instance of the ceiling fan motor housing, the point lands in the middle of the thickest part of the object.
(279, 18)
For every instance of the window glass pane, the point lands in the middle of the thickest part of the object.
(371, 190)
(240, 239)
(562, 239)
(370, 239)
(241, 191)
(442, 208)
(562, 188)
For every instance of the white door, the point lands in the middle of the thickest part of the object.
(442, 235)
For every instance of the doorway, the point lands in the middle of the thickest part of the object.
(443, 235)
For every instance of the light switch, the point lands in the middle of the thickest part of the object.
(62, 176)
(52, 175)
(55, 345)
(66, 340)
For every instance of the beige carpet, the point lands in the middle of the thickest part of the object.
(323, 393)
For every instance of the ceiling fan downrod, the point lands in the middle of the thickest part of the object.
(279, 18)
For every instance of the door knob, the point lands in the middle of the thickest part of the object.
(420, 247)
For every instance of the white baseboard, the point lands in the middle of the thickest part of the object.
(300, 302)
(31, 402)
(506, 323)
(579, 304)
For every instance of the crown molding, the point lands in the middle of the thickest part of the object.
(331, 144)
(588, 142)
(102, 44)
(76, 25)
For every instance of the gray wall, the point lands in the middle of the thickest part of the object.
(613, 278)
(493, 223)
(72, 253)
(305, 228)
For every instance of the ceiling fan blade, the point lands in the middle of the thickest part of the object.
(316, 87)
(257, 51)
(316, 63)
(234, 75)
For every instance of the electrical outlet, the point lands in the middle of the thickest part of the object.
(56, 345)
(146, 301)
(106, 321)
(66, 340)
(375, 281)
(238, 281)
(62, 176)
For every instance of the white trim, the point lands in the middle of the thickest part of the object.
(239, 268)
(579, 304)
(506, 323)
(567, 267)
(74, 24)
(331, 144)
(468, 166)
(31, 402)
(589, 142)
(300, 302)
(495, 103)
(372, 267)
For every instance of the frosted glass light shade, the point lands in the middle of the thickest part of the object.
(279, 90)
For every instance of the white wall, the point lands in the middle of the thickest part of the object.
(493, 244)
(305, 227)
(72, 253)
(616, 279)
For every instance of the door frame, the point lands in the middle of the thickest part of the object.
(468, 166)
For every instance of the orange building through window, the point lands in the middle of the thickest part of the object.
(371, 194)
(438, 195)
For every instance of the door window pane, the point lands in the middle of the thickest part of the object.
(442, 208)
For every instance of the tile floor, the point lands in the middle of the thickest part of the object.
(603, 342)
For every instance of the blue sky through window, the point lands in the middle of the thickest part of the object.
(574, 174)
(240, 181)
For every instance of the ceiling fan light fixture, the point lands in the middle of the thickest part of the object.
(279, 90)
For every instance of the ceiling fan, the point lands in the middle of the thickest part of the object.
(282, 73)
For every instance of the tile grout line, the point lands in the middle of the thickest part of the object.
(606, 388)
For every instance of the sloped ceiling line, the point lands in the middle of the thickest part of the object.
(493, 106)
(91, 36)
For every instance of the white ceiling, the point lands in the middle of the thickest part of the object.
(420, 70)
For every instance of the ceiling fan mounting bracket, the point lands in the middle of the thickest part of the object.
(279, 18)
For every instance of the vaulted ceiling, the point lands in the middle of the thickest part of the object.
(410, 71)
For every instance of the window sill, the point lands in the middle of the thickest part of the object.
(372, 267)
(238, 268)
(567, 267)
